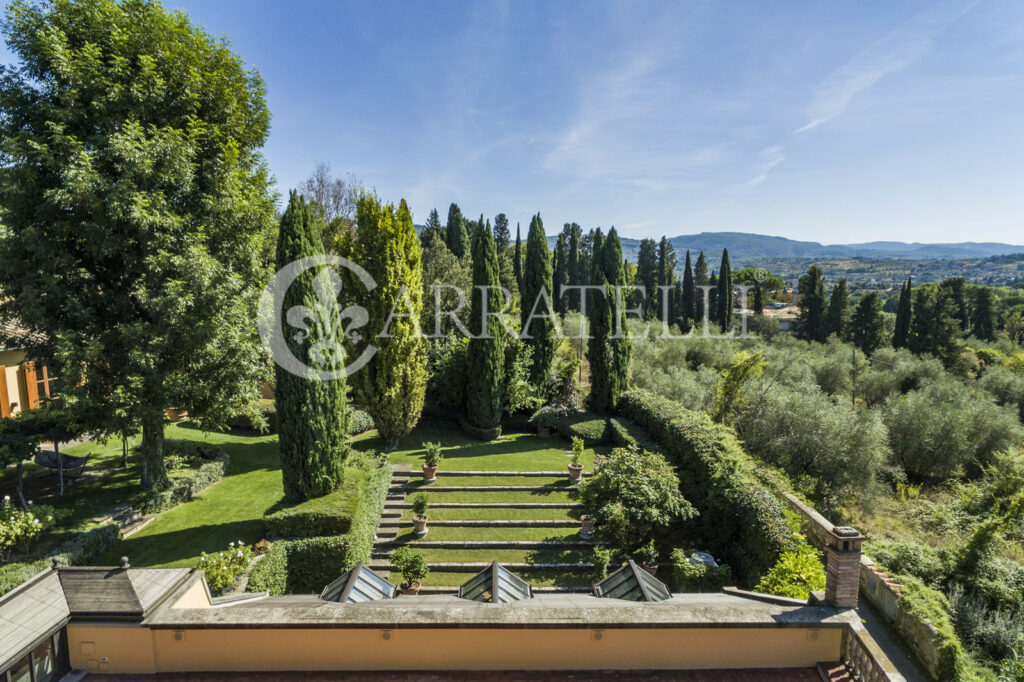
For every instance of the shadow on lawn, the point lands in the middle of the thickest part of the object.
(178, 545)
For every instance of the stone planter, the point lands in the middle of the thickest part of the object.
(419, 525)
(429, 474)
(651, 568)
(411, 588)
(544, 431)
(586, 527)
(575, 473)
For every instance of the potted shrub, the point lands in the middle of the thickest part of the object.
(431, 459)
(575, 467)
(419, 511)
(546, 419)
(587, 526)
(647, 555)
(413, 567)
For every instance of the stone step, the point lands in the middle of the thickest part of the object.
(487, 544)
(487, 488)
(477, 566)
(510, 474)
(493, 505)
(503, 523)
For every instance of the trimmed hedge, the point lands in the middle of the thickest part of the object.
(81, 550)
(625, 434)
(184, 488)
(586, 425)
(359, 422)
(740, 520)
(327, 515)
(478, 433)
(306, 565)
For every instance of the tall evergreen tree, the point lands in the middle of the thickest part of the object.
(957, 291)
(517, 262)
(725, 293)
(866, 327)
(539, 334)
(666, 273)
(485, 357)
(713, 297)
(758, 298)
(502, 234)
(904, 312)
(837, 319)
(392, 385)
(431, 228)
(983, 325)
(700, 279)
(933, 326)
(559, 269)
(574, 267)
(312, 414)
(811, 320)
(689, 313)
(458, 236)
(600, 321)
(618, 342)
(647, 276)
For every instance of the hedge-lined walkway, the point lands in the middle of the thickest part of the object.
(507, 500)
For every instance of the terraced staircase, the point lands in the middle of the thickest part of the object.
(524, 519)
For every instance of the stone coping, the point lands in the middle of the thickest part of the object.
(550, 611)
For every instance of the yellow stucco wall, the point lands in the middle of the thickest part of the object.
(10, 359)
(195, 597)
(133, 649)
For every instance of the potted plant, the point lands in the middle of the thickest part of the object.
(419, 511)
(431, 459)
(382, 459)
(587, 526)
(413, 567)
(575, 467)
(546, 419)
(647, 555)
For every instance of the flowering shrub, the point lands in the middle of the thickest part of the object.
(261, 547)
(223, 568)
(18, 528)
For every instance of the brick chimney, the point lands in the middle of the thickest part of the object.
(842, 580)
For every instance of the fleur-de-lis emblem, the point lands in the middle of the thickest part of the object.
(325, 325)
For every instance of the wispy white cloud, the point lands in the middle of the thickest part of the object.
(770, 158)
(894, 52)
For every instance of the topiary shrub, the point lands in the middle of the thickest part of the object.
(586, 425)
(547, 417)
(327, 515)
(625, 434)
(740, 519)
(359, 422)
(314, 562)
(479, 433)
(696, 576)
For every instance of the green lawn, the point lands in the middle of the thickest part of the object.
(477, 534)
(436, 514)
(535, 578)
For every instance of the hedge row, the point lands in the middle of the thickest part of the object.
(740, 520)
(625, 434)
(306, 565)
(592, 428)
(328, 515)
(184, 488)
(82, 550)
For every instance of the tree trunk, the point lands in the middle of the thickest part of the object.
(21, 487)
(60, 467)
(154, 473)
(124, 451)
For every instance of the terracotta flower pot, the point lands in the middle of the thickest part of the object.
(419, 525)
(651, 568)
(412, 588)
(586, 526)
(544, 431)
(429, 474)
(575, 473)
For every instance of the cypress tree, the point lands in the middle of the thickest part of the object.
(432, 227)
(866, 328)
(811, 322)
(758, 298)
(904, 311)
(537, 277)
(689, 294)
(984, 322)
(700, 279)
(599, 316)
(392, 385)
(725, 293)
(485, 357)
(574, 267)
(559, 267)
(457, 235)
(312, 414)
(713, 297)
(957, 291)
(666, 272)
(647, 276)
(502, 235)
(517, 260)
(619, 345)
(933, 327)
(838, 316)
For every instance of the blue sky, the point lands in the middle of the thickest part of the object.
(828, 121)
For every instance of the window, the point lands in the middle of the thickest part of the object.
(43, 663)
(22, 671)
(47, 662)
(46, 383)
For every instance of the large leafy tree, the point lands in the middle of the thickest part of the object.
(311, 411)
(811, 321)
(485, 357)
(904, 311)
(137, 212)
(458, 236)
(725, 293)
(392, 384)
(539, 333)
(934, 328)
